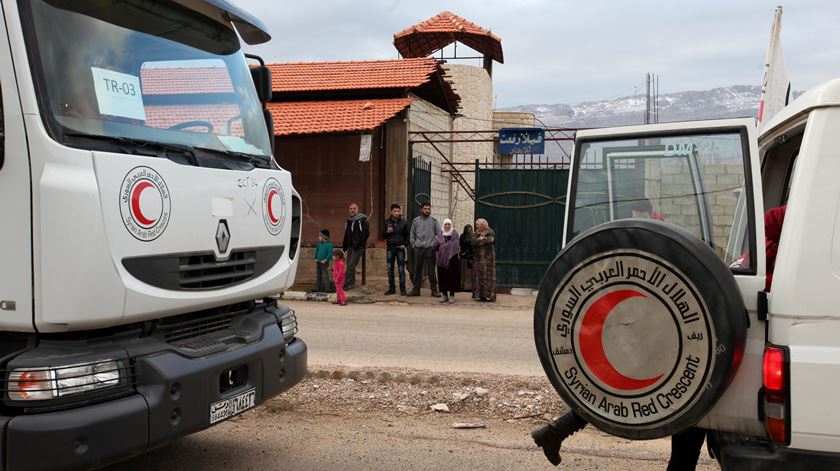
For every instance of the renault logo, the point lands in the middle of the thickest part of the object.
(222, 236)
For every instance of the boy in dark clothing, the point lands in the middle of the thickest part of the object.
(356, 234)
(323, 254)
(395, 234)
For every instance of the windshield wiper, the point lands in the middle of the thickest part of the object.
(253, 159)
(129, 145)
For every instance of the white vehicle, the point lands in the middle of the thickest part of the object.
(648, 327)
(144, 226)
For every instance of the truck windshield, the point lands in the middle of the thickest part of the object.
(695, 181)
(142, 71)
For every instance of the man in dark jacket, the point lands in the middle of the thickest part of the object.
(356, 234)
(395, 234)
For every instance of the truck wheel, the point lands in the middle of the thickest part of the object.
(639, 326)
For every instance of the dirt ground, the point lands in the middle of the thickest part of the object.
(384, 419)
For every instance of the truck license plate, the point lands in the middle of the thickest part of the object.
(229, 407)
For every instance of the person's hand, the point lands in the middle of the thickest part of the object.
(390, 229)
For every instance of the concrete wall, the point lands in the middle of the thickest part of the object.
(721, 182)
(475, 88)
(424, 116)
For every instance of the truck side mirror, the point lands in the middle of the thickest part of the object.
(262, 82)
(269, 123)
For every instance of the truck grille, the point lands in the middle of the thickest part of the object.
(180, 329)
(200, 270)
(206, 332)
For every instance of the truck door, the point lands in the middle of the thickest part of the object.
(15, 207)
(703, 177)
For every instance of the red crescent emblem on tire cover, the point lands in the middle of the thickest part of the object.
(592, 343)
(135, 204)
(271, 195)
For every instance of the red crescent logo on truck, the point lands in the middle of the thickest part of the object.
(145, 206)
(271, 195)
(592, 343)
(273, 206)
(136, 211)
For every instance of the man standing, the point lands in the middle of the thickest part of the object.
(356, 234)
(424, 229)
(396, 236)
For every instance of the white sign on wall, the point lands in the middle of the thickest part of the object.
(364, 148)
(118, 94)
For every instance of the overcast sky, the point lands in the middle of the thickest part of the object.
(569, 51)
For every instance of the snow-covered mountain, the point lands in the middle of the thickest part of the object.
(724, 102)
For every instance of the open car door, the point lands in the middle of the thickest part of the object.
(646, 322)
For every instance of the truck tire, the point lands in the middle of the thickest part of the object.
(639, 326)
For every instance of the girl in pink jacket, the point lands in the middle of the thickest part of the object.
(338, 277)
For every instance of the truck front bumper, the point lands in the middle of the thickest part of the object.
(173, 397)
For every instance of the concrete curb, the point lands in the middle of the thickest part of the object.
(314, 296)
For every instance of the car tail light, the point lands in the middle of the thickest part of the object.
(776, 393)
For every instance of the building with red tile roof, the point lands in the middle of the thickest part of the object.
(321, 110)
(334, 116)
(443, 29)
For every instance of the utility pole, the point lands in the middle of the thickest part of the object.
(656, 99)
(647, 99)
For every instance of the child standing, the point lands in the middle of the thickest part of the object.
(338, 277)
(323, 253)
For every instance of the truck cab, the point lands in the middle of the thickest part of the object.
(659, 314)
(146, 229)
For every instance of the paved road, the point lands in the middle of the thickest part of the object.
(465, 337)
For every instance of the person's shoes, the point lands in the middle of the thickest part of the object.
(402, 292)
(452, 300)
(390, 292)
(414, 293)
(444, 300)
(550, 437)
(344, 303)
(435, 294)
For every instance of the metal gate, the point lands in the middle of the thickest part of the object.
(525, 207)
(421, 186)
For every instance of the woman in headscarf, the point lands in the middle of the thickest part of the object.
(484, 262)
(447, 247)
(466, 259)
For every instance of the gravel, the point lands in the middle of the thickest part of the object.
(339, 390)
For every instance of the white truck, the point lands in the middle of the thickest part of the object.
(649, 327)
(144, 226)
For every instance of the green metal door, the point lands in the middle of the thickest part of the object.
(526, 209)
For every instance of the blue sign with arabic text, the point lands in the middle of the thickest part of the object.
(521, 141)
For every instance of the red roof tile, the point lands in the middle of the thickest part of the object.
(443, 29)
(177, 80)
(165, 116)
(355, 75)
(313, 117)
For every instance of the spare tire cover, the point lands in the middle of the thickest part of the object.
(639, 326)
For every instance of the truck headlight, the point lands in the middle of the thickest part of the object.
(35, 384)
(288, 324)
